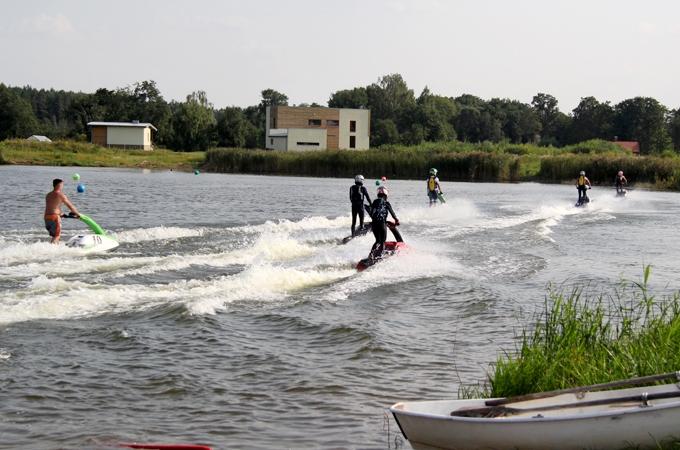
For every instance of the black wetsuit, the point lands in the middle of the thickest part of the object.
(379, 210)
(356, 196)
(619, 184)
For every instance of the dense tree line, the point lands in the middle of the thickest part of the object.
(398, 116)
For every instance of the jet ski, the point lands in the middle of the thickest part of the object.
(583, 200)
(100, 241)
(621, 193)
(391, 248)
(358, 232)
(361, 230)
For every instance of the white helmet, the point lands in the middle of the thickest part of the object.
(359, 179)
(383, 190)
(620, 173)
(582, 172)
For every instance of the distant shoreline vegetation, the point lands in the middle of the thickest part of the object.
(456, 161)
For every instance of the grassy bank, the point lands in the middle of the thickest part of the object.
(69, 153)
(456, 161)
(393, 163)
(579, 340)
(459, 161)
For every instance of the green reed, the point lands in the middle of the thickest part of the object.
(580, 340)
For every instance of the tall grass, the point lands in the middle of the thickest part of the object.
(579, 340)
(391, 162)
(70, 153)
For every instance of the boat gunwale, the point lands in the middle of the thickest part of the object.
(515, 419)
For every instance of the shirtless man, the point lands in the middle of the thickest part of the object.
(53, 202)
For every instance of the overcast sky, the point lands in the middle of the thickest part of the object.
(609, 49)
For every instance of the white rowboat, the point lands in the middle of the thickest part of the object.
(586, 419)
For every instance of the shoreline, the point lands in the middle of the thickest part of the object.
(459, 162)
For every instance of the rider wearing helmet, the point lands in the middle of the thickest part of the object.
(433, 187)
(379, 210)
(620, 182)
(582, 184)
(357, 193)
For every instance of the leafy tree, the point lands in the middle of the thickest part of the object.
(545, 106)
(193, 123)
(592, 120)
(349, 98)
(389, 98)
(232, 127)
(16, 116)
(643, 119)
(436, 115)
(674, 128)
(384, 132)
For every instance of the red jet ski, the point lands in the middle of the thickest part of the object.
(391, 248)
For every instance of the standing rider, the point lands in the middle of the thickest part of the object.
(582, 184)
(53, 201)
(357, 193)
(433, 187)
(620, 182)
(379, 210)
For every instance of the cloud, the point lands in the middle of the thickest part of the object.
(57, 25)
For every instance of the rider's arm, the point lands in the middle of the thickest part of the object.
(588, 181)
(394, 216)
(350, 193)
(69, 204)
(439, 186)
(365, 192)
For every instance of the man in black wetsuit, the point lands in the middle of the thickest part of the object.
(357, 193)
(379, 210)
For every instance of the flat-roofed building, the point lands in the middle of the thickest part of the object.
(317, 128)
(132, 135)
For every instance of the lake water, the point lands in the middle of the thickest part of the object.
(230, 315)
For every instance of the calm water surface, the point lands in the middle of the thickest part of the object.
(231, 316)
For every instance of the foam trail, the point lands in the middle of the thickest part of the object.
(158, 233)
(56, 298)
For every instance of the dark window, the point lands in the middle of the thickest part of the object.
(314, 122)
(352, 142)
(273, 122)
(333, 123)
(271, 141)
(352, 126)
(315, 144)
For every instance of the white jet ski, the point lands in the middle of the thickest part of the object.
(98, 242)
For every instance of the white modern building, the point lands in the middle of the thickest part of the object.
(127, 135)
(317, 128)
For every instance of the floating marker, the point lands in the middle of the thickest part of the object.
(196, 172)
(80, 188)
(377, 182)
(75, 177)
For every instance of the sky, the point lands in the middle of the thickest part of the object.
(612, 50)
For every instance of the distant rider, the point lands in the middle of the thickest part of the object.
(433, 187)
(582, 184)
(53, 202)
(620, 182)
(357, 193)
(379, 210)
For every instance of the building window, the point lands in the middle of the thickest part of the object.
(352, 126)
(315, 144)
(271, 141)
(352, 142)
(314, 122)
(333, 123)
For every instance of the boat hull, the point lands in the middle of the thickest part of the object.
(429, 425)
(92, 243)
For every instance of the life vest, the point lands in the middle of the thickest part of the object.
(357, 195)
(432, 183)
(379, 210)
(581, 180)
